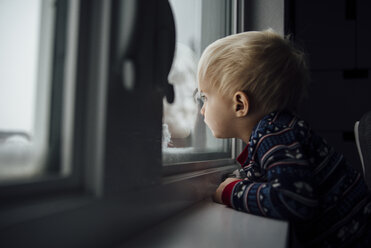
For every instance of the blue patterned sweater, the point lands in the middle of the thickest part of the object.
(293, 174)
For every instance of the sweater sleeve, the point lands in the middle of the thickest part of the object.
(288, 191)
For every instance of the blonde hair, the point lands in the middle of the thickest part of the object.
(267, 67)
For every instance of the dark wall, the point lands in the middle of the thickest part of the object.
(263, 14)
(335, 34)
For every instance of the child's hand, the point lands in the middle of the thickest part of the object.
(217, 197)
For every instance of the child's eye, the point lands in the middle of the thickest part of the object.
(203, 97)
(199, 96)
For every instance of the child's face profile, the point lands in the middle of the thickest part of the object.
(217, 111)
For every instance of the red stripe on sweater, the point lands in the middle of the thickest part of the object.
(227, 193)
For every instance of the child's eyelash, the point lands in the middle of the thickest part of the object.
(199, 96)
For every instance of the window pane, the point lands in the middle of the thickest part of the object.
(25, 46)
(185, 136)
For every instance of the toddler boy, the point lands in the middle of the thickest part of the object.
(251, 85)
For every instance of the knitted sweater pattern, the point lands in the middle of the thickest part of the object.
(290, 173)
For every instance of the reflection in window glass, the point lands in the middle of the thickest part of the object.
(23, 92)
(186, 138)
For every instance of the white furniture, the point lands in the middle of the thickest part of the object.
(362, 134)
(209, 224)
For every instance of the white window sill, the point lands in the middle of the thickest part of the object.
(169, 211)
(209, 224)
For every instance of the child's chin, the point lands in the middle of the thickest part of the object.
(219, 136)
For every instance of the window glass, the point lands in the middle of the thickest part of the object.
(25, 48)
(186, 138)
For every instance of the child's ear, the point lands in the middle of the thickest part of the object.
(241, 104)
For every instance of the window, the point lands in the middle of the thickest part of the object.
(26, 56)
(36, 90)
(186, 138)
(97, 108)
